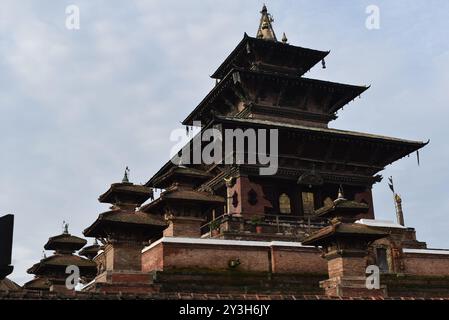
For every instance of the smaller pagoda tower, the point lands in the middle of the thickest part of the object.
(345, 245)
(50, 272)
(90, 252)
(184, 207)
(123, 231)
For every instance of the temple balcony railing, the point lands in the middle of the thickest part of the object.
(276, 226)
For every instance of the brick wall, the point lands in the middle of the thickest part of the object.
(153, 259)
(189, 227)
(215, 257)
(347, 266)
(123, 256)
(242, 187)
(278, 259)
(297, 260)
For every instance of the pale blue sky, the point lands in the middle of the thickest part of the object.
(79, 106)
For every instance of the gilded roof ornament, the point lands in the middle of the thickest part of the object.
(125, 176)
(266, 30)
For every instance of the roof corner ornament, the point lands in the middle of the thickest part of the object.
(248, 48)
(284, 38)
(266, 30)
(397, 203)
(323, 63)
(125, 176)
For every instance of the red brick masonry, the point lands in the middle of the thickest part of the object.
(255, 256)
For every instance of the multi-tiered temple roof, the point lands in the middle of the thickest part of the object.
(51, 271)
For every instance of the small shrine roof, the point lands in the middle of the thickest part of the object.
(138, 193)
(343, 230)
(7, 285)
(176, 195)
(122, 219)
(90, 251)
(342, 206)
(65, 241)
(175, 173)
(60, 261)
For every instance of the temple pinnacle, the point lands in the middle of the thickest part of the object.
(66, 227)
(125, 176)
(266, 30)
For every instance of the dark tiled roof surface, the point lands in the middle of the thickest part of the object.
(8, 285)
(124, 217)
(323, 130)
(61, 260)
(63, 240)
(343, 229)
(139, 193)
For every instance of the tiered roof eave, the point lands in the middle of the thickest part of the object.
(315, 56)
(348, 92)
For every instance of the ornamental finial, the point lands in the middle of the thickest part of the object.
(284, 38)
(266, 30)
(125, 176)
(341, 195)
(65, 227)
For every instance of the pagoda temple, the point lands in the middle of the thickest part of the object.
(50, 272)
(224, 227)
(261, 85)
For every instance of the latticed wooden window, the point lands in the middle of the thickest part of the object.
(308, 202)
(284, 204)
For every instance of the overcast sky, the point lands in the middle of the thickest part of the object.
(78, 106)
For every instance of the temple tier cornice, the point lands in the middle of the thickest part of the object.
(252, 52)
(242, 87)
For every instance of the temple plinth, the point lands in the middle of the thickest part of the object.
(345, 245)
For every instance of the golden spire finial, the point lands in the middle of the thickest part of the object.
(266, 30)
